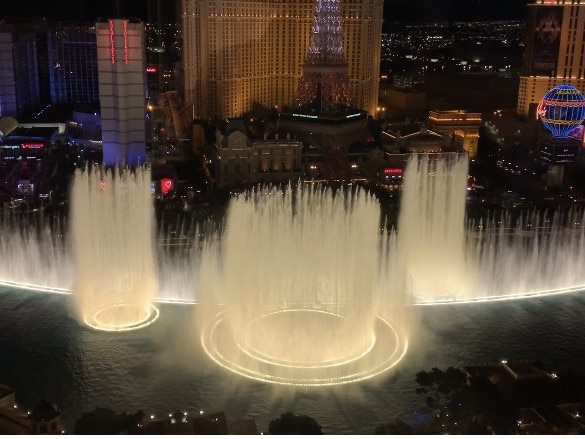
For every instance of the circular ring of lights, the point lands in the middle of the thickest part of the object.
(388, 349)
(149, 314)
(256, 353)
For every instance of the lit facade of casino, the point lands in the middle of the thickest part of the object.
(237, 52)
(554, 51)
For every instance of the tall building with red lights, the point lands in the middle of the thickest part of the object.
(121, 75)
(554, 51)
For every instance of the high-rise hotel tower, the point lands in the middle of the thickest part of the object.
(554, 51)
(121, 76)
(237, 52)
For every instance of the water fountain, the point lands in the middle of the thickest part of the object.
(307, 266)
(431, 225)
(112, 235)
(299, 273)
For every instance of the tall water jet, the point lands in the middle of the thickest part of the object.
(431, 225)
(537, 254)
(299, 274)
(112, 239)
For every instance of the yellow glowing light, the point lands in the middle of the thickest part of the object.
(149, 315)
(261, 357)
(389, 352)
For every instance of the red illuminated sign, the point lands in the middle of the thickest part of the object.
(388, 171)
(112, 46)
(151, 70)
(166, 185)
(541, 109)
(125, 24)
(32, 145)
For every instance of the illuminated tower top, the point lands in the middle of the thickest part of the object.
(121, 76)
(324, 84)
(326, 46)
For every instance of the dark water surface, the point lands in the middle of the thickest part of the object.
(44, 353)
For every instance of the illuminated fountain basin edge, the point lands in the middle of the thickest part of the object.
(121, 317)
(385, 348)
(384, 345)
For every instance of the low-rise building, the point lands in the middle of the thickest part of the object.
(461, 126)
(45, 418)
(242, 161)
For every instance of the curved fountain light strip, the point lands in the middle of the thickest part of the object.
(504, 297)
(258, 356)
(390, 360)
(151, 314)
(451, 301)
(34, 287)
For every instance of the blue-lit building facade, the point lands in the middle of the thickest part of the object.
(24, 67)
(73, 57)
(42, 64)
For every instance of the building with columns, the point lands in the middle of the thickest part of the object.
(239, 160)
(461, 126)
(554, 51)
(237, 52)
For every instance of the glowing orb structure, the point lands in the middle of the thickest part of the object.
(262, 350)
(562, 109)
(112, 231)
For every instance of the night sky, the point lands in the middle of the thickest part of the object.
(454, 10)
(395, 10)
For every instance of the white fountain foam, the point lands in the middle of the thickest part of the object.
(431, 232)
(496, 261)
(299, 273)
(112, 235)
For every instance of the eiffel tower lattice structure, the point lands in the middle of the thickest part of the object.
(324, 85)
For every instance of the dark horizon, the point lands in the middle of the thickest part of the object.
(425, 11)
(83, 10)
(394, 10)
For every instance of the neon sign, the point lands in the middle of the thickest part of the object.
(32, 145)
(166, 185)
(151, 70)
(388, 171)
(112, 45)
(541, 109)
(125, 24)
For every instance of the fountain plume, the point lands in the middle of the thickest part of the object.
(112, 236)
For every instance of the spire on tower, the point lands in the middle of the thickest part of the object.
(324, 84)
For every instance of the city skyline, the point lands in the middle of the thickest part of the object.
(394, 10)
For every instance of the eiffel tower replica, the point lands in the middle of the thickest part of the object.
(322, 115)
(324, 85)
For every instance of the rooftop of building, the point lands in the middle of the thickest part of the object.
(186, 423)
(5, 391)
(40, 132)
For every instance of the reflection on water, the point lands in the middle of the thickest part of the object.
(45, 353)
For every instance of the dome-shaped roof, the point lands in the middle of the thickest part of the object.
(562, 109)
(44, 411)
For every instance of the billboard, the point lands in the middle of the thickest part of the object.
(547, 24)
